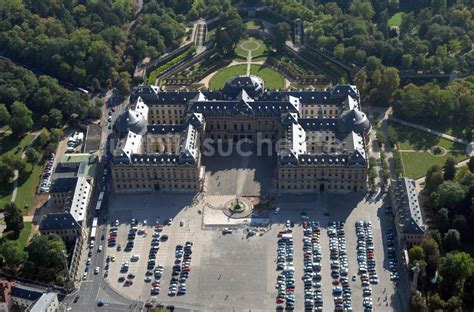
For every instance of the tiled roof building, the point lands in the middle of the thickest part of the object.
(408, 215)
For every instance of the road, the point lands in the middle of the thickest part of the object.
(95, 288)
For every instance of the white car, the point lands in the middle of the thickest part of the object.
(276, 210)
(96, 271)
(100, 248)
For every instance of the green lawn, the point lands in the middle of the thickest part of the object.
(27, 187)
(11, 146)
(273, 80)
(219, 79)
(25, 234)
(413, 139)
(252, 25)
(257, 47)
(415, 164)
(396, 19)
(455, 129)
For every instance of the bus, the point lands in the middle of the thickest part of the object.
(97, 207)
(93, 230)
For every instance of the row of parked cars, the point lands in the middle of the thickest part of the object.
(45, 183)
(154, 272)
(312, 265)
(392, 259)
(339, 267)
(181, 269)
(286, 279)
(366, 261)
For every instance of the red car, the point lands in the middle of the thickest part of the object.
(186, 269)
(156, 284)
(113, 109)
(128, 282)
(280, 300)
(148, 304)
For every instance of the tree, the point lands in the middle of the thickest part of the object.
(223, 42)
(470, 164)
(45, 259)
(21, 119)
(432, 257)
(55, 118)
(451, 240)
(124, 83)
(434, 177)
(13, 255)
(416, 253)
(56, 135)
(4, 115)
(390, 82)
(442, 219)
(13, 218)
(360, 80)
(44, 138)
(392, 135)
(362, 9)
(454, 270)
(234, 26)
(449, 168)
(380, 137)
(451, 193)
(418, 303)
(6, 171)
(32, 155)
(282, 32)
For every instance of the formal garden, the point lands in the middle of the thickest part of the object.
(272, 79)
(420, 150)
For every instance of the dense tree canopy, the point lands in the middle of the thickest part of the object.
(45, 259)
(430, 39)
(42, 95)
(452, 104)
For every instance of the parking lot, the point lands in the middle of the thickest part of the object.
(237, 272)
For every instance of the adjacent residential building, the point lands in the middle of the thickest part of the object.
(408, 215)
(48, 302)
(62, 190)
(320, 137)
(62, 224)
(24, 295)
(6, 295)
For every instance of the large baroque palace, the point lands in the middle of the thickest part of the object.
(320, 136)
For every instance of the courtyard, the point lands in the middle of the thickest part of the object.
(237, 271)
(238, 175)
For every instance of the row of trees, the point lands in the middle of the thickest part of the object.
(432, 39)
(449, 191)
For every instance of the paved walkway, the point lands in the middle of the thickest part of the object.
(440, 134)
(15, 181)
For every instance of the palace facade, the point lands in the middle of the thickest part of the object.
(320, 136)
